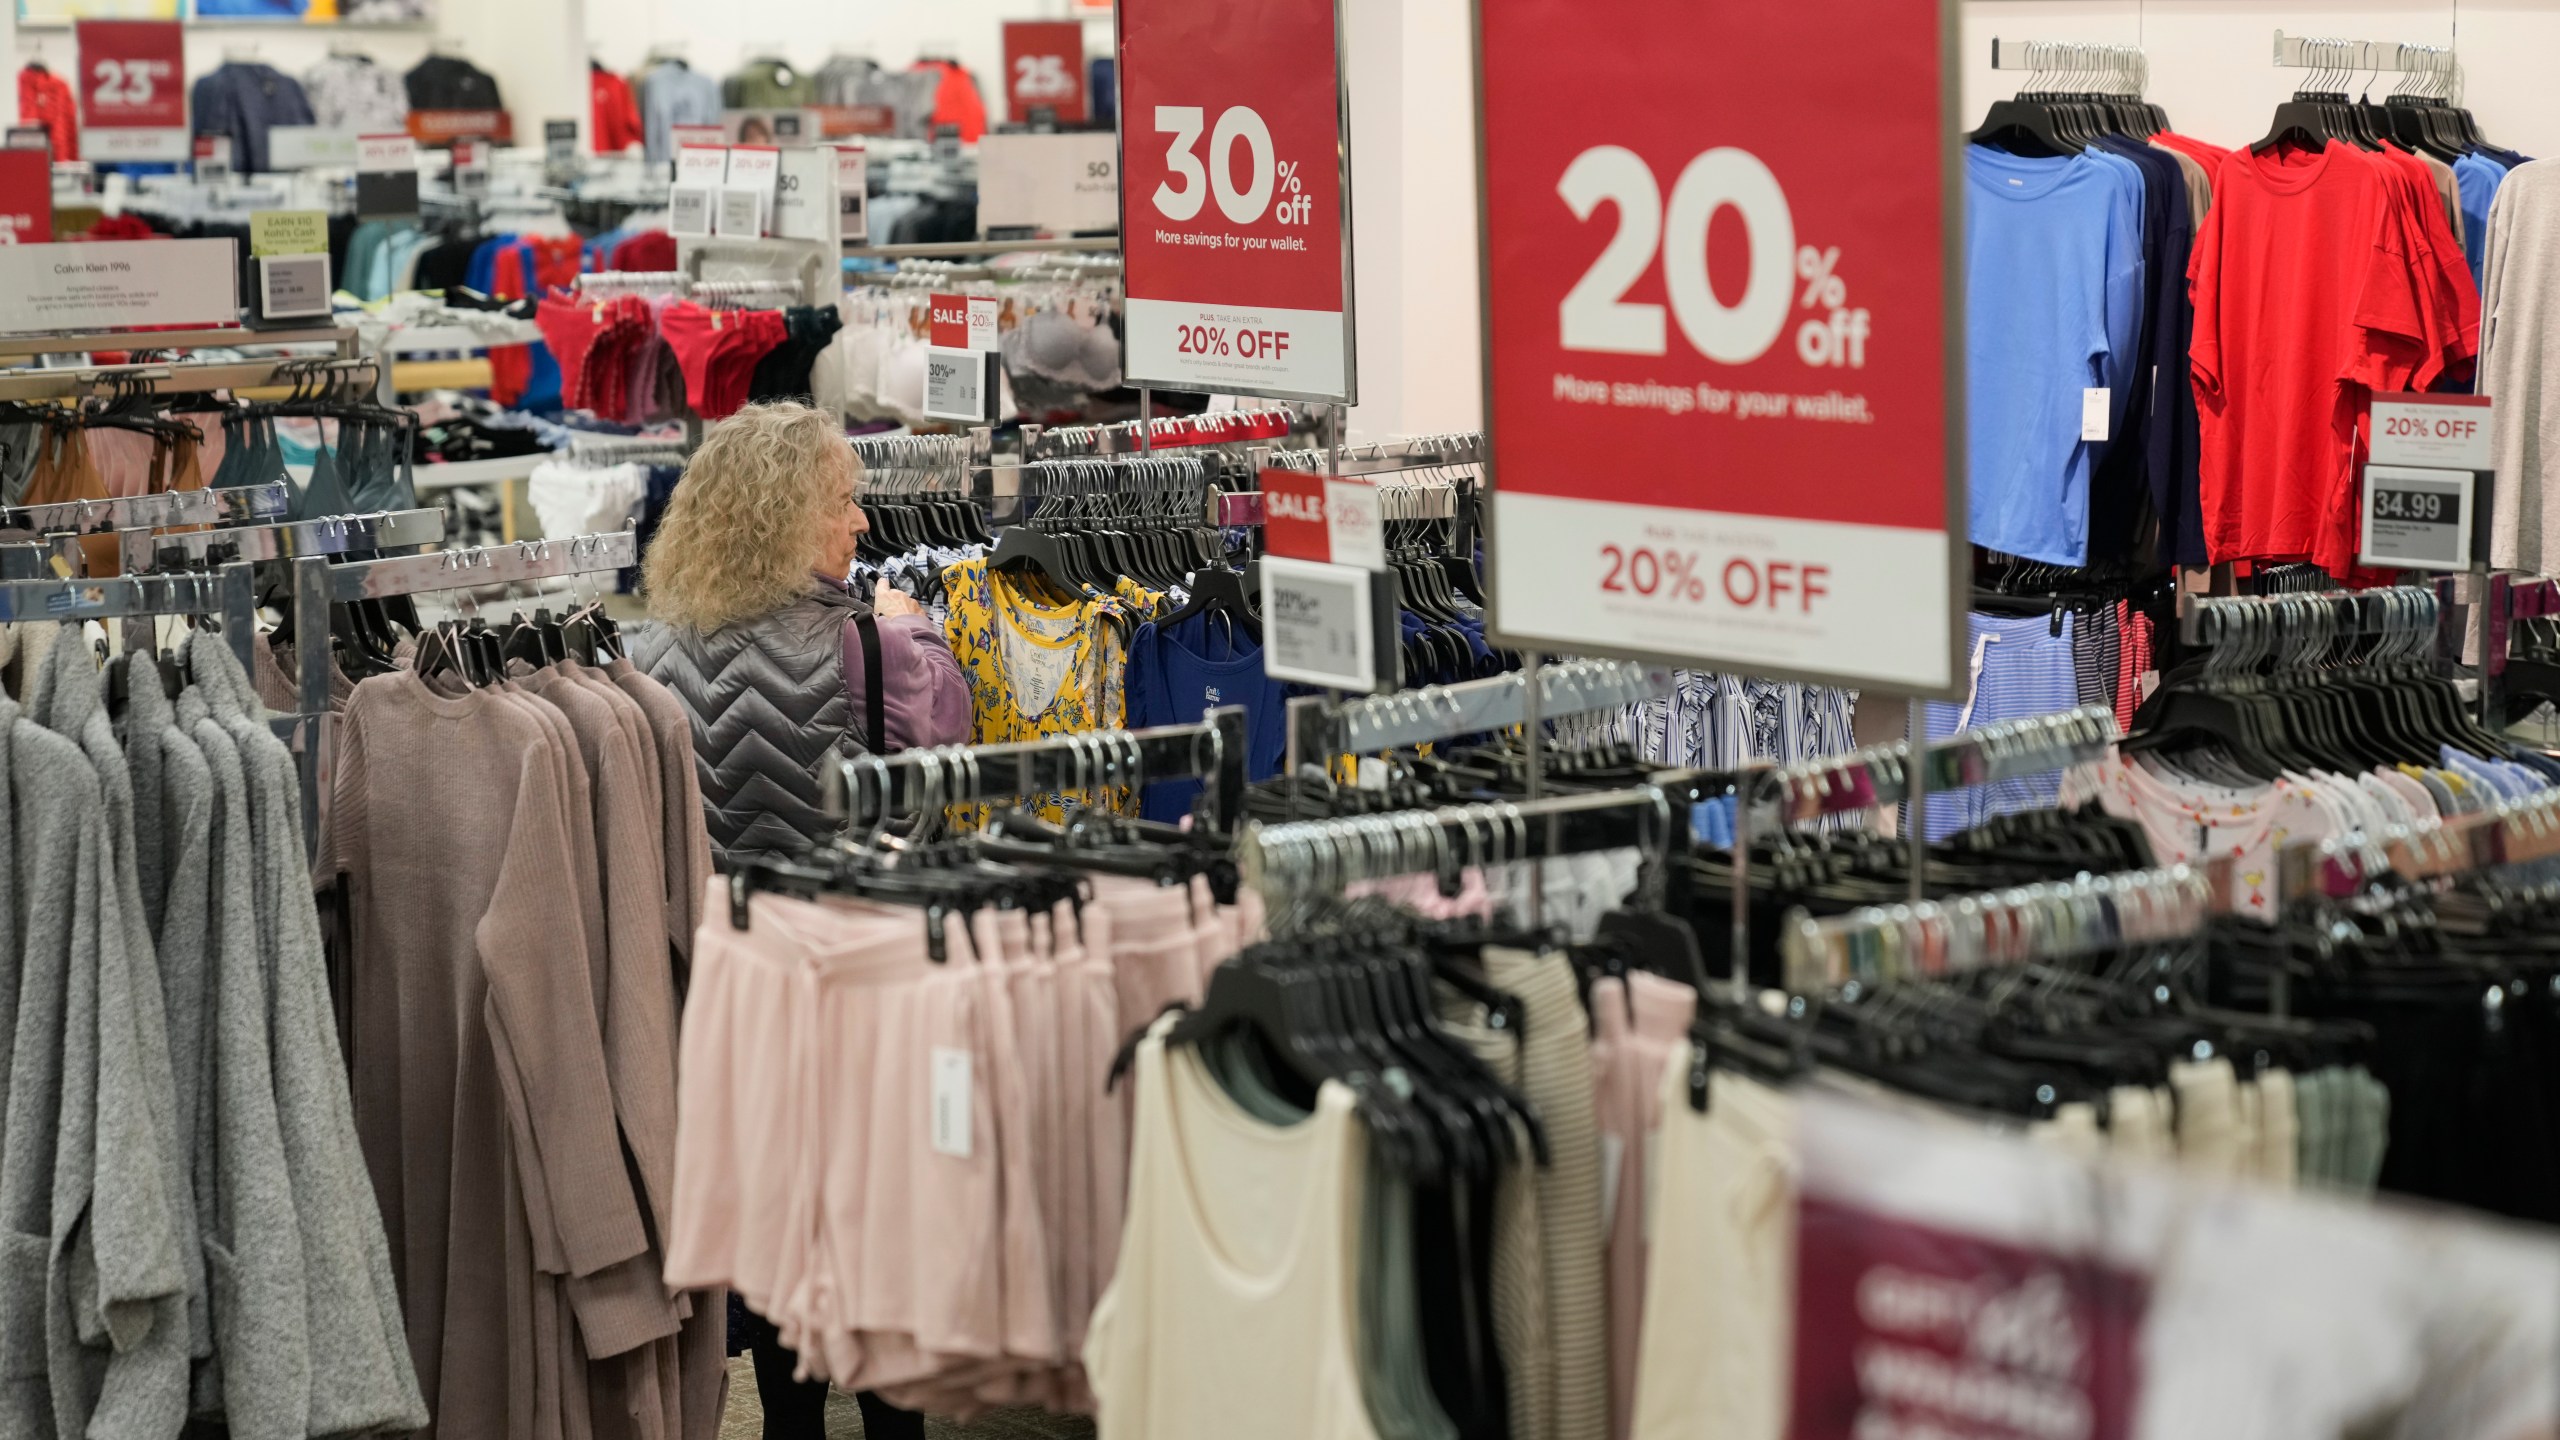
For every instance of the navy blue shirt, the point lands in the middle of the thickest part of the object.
(1199, 665)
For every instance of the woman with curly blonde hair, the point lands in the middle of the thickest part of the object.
(778, 664)
(780, 669)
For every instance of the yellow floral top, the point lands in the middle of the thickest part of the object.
(1041, 661)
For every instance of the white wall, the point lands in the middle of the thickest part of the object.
(2212, 64)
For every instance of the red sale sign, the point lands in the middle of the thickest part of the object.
(26, 197)
(1044, 66)
(1234, 199)
(133, 89)
(1720, 334)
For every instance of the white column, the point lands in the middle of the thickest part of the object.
(1412, 77)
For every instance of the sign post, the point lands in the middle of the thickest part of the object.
(1723, 339)
(133, 90)
(1044, 69)
(1235, 216)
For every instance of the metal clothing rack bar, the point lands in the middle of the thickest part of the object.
(1322, 728)
(1301, 859)
(243, 504)
(16, 346)
(2308, 52)
(871, 789)
(2087, 64)
(520, 561)
(1127, 437)
(2211, 620)
(293, 539)
(229, 594)
(170, 376)
(963, 249)
(2057, 920)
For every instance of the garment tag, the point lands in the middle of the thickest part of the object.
(2093, 413)
(954, 1112)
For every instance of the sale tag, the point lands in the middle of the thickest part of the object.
(289, 232)
(1357, 534)
(955, 384)
(2417, 519)
(753, 167)
(702, 164)
(963, 322)
(1321, 518)
(309, 147)
(1235, 206)
(804, 195)
(741, 211)
(26, 197)
(386, 176)
(444, 127)
(133, 90)
(698, 137)
(689, 210)
(1320, 624)
(1053, 184)
(213, 158)
(560, 144)
(2095, 403)
(853, 195)
(1044, 68)
(2446, 432)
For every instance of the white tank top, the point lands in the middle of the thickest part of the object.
(1231, 1313)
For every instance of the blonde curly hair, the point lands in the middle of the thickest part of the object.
(747, 524)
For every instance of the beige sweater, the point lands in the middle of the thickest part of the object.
(479, 1067)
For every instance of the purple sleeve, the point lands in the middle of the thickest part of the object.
(927, 698)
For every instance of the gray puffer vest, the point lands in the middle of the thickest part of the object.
(769, 710)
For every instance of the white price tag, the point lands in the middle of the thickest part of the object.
(954, 1119)
(2417, 519)
(689, 210)
(1319, 624)
(983, 314)
(386, 155)
(309, 147)
(741, 213)
(1352, 524)
(754, 167)
(2438, 432)
(213, 157)
(702, 165)
(853, 195)
(293, 287)
(955, 384)
(2094, 404)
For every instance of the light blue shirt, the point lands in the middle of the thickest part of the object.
(673, 95)
(2053, 273)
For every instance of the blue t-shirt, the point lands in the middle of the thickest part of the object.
(2477, 177)
(2053, 270)
(1176, 676)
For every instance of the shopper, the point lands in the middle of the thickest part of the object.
(781, 669)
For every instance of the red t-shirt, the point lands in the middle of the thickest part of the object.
(615, 121)
(2308, 297)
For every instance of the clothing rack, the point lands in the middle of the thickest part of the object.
(294, 539)
(2400, 615)
(2347, 57)
(870, 789)
(1875, 944)
(1885, 774)
(243, 504)
(229, 594)
(1321, 727)
(2115, 69)
(1389, 458)
(1129, 437)
(1302, 859)
(511, 563)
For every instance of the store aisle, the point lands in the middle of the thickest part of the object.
(744, 1419)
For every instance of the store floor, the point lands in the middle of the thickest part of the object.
(745, 1418)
